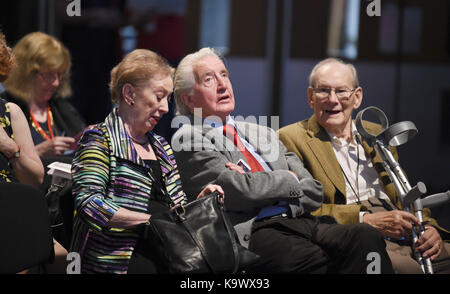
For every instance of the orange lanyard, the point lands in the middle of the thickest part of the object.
(38, 127)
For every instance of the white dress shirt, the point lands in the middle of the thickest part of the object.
(361, 183)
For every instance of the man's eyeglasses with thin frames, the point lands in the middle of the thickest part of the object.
(343, 94)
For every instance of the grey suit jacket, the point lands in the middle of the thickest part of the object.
(202, 151)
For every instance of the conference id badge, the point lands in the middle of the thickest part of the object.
(244, 166)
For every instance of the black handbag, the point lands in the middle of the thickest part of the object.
(196, 238)
(60, 209)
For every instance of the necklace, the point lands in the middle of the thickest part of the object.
(38, 127)
(357, 175)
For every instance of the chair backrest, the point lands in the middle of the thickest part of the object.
(25, 233)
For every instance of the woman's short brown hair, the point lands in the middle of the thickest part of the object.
(35, 52)
(137, 68)
(7, 60)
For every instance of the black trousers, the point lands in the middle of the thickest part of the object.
(307, 245)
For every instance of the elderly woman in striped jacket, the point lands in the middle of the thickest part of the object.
(122, 171)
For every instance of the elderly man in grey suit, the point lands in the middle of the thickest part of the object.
(268, 192)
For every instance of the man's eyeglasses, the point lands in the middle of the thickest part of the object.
(343, 94)
(49, 77)
(210, 79)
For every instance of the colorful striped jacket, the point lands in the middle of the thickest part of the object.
(107, 174)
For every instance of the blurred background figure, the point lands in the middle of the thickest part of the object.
(39, 85)
(160, 26)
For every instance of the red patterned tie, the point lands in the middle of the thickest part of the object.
(230, 132)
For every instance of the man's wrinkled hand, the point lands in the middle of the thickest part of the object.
(430, 243)
(395, 224)
(235, 167)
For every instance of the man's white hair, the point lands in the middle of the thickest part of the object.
(185, 78)
(312, 76)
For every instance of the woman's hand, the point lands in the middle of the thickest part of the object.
(209, 189)
(55, 146)
(206, 191)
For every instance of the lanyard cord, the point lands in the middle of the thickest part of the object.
(38, 127)
(357, 176)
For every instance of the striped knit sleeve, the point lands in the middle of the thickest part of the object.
(90, 176)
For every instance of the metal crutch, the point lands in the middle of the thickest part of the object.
(397, 135)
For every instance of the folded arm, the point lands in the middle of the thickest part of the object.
(251, 191)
